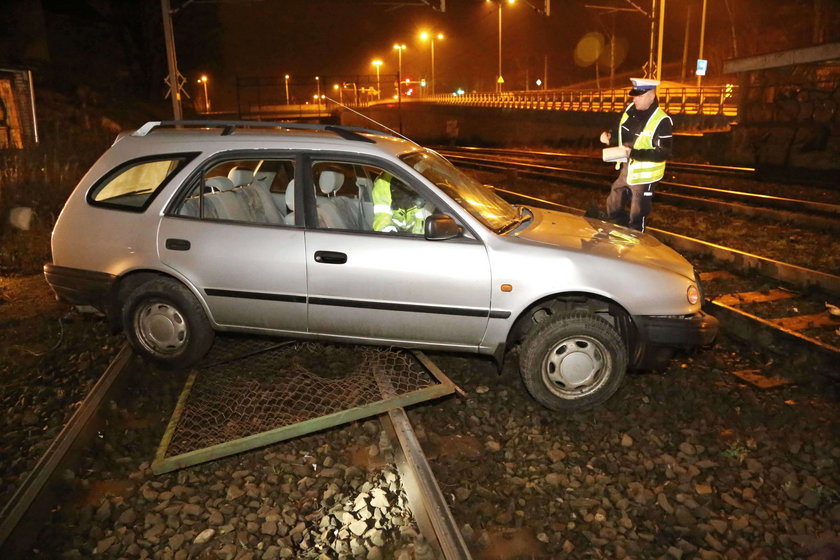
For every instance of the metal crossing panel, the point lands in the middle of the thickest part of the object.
(250, 393)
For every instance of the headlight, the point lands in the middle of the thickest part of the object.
(692, 294)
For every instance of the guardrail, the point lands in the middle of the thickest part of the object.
(705, 100)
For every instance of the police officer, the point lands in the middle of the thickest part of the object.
(397, 208)
(645, 133)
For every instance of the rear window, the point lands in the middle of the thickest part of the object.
(133, 185)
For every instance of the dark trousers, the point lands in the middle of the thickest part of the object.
(639, 197)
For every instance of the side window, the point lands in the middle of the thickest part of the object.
(133, 186)
(249, 191)
(365, 198)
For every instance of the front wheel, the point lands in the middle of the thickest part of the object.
(166, 324)
(572, 361)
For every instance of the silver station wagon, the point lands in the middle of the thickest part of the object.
(183, 229)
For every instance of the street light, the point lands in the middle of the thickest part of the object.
(500, 80)
(287, 88)
(340, 94)
(318, 84)
(400, 49)
(203, 80)
(377, 63)
(431, 38)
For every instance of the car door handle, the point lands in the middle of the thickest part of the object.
(330, 257)
(178, 244)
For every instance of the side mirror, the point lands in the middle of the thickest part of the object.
(440, 227)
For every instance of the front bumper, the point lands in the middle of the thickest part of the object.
(79, 287)
(658, 337)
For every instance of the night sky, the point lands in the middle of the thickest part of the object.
(109, 45)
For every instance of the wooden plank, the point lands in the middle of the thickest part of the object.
(716, 275)
(742, 298)
(803, 322)
(754, 377)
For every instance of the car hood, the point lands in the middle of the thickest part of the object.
(599, 238)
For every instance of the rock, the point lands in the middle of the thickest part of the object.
(359, 527)
(626, 441)
(687, 448)
(103, 512)
(127, 517)
(234, 492)
(103, 545)
(493, 446)
(662, 501)
(269, 528)
(555, 479)
(204, 536)
(481, 389)
(556, 455)
(702, 489)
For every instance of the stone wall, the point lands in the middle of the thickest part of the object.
(789, 117)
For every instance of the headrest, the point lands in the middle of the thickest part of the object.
(240, 176)
(290, 195)
(219, 183)
(330, 181)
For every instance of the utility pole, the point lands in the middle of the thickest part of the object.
(661, 33)
(685, 43)
(702, 38)
(171, 61)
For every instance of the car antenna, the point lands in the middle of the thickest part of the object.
(371, 120)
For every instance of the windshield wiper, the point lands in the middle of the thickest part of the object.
(520, 219)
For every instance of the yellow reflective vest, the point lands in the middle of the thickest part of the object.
(388, 219)
(643, 172)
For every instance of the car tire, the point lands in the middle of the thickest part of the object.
(572, 361)
(165, 323)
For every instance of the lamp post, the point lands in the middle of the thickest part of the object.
(431, 38)
(203, 80)
(377, 63)
(318, 85)
(286, 77)
(399, 49)
(340, 93)
(500, 80)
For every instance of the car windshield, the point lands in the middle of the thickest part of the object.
(479, 200)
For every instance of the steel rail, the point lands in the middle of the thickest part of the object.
(22, 509)
(707, 168)
(807, 179)
(592, 178)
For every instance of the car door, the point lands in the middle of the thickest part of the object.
(388, 287)
(250, 270)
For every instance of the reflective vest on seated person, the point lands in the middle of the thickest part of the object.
(388, 219)
(643, 172)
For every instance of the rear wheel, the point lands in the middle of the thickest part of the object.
(572, 361)
(166, 324)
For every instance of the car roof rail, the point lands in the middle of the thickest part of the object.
(228, 127)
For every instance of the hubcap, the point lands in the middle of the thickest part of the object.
(161, 328)
(575, 366)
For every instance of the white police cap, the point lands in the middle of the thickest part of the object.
(642, 86)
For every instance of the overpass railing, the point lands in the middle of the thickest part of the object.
(704, 100)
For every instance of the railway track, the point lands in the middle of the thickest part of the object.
(804, 213)
(84, 465)
(767, 181)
